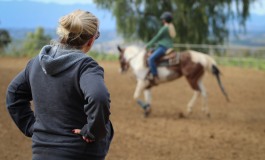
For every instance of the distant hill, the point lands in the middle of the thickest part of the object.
(252, 38)
(255, 39)
(106, 43)
(21, 33)
(254, 35)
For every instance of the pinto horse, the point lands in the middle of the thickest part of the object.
(191, 64)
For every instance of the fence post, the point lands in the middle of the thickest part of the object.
(211, 50)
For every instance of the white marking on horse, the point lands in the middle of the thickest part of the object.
(205, 60)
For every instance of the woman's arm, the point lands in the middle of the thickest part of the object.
(18, 99)
(97, 102)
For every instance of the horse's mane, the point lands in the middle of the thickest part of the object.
(135, 53)
(132, 51)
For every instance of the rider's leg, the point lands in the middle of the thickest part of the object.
(160, 51)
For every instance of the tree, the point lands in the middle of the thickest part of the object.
(5, 39)
(196, 21)
(35, 41)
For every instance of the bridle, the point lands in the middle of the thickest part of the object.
(124, 65)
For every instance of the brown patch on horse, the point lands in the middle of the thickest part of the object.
(192, 71)
(176, 72)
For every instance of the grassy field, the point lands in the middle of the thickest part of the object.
(245, 62)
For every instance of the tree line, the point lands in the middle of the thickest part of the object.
(30, 46)
(196, 21)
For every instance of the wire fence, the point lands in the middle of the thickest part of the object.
(226, 50)
(243, 56)
(227, 55)
(233, 55)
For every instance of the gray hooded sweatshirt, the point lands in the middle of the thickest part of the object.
(68, 92)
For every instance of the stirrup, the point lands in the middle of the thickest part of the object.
(153, 82)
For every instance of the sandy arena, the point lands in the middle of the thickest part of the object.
(235, 131)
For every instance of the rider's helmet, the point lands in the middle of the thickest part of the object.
(167, 16)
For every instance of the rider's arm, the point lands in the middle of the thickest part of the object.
(157, 37)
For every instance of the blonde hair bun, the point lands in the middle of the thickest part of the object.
(74, 25)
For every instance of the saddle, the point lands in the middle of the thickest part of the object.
(171, 58)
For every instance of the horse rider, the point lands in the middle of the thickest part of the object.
(164, 40)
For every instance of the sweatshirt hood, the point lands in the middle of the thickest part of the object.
(55, 59)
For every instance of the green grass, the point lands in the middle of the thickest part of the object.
(103, 56)
(244, 62)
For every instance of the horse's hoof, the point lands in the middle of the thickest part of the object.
(147, 111)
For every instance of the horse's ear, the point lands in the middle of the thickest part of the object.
(119, 48)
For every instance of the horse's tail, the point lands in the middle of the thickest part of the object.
(216, 72)
(210, 65)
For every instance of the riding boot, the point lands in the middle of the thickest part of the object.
(154, 81)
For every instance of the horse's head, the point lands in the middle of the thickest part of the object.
(124, 65)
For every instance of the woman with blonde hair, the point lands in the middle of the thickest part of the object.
(164, 40)
(71, 113)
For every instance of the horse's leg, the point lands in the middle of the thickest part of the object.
(191, 102)
(193, 81)
(205, 108)
(148, 96)
(141, 84)
(148, 99)
(139, 89)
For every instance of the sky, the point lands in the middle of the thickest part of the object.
(257, 7)
(46, 13)
(66, 2)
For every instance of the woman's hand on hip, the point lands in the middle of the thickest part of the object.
(78, 131)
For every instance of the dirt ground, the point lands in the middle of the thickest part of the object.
(235, 131)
